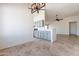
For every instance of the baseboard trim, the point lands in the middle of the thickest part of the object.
(62, 34)
(67, 35)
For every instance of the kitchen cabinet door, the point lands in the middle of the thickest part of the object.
(49, 35)
(45, 35)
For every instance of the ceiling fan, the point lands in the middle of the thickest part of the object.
(36, 7)
(57, 19)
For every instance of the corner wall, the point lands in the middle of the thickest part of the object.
(16, 25)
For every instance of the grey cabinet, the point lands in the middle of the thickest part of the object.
(42, 35)
(47, 35)
(35, 34)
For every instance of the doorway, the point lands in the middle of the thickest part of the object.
(73, 28)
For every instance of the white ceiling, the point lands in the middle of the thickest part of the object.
(62, 9)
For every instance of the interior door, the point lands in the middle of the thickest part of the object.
(73, 28)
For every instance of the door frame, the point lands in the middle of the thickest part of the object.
(70, 28)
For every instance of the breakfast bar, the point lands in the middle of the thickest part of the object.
(46, 34)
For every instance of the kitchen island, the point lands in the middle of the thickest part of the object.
(45, 33)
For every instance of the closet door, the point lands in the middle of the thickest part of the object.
(73, 28)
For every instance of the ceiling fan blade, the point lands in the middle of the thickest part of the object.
(57, 20)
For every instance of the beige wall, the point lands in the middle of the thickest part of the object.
(16, 25)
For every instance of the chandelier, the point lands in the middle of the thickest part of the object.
(35, 7)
